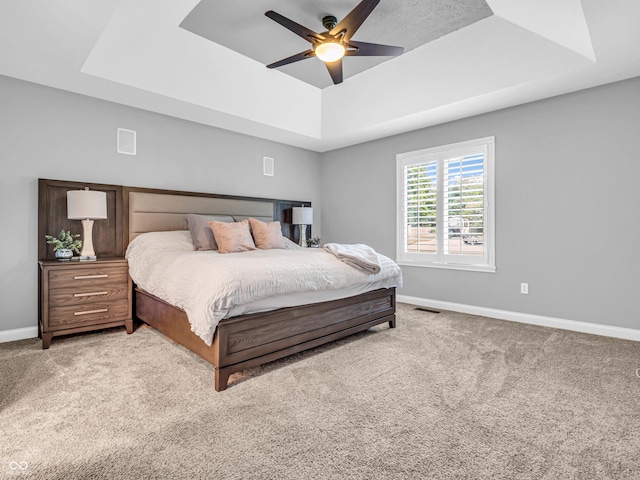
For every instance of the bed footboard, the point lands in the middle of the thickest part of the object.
(251, 340)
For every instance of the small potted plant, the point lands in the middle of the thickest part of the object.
(65, 244)
(313, 242)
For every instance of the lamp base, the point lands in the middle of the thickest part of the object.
(87, 258)
(303, 236)
(87, 252)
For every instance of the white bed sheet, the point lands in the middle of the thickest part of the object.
(210, 286)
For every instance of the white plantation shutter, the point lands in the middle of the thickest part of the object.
(445, 200)
(420, 201)
(463, 205)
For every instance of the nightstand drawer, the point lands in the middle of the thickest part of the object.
(93, 313)
(83, 294)
(82, 277)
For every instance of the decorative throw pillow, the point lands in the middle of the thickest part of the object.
(232, 237)
(267, 235)
(201, 234)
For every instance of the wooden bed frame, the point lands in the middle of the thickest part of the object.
(239, 342)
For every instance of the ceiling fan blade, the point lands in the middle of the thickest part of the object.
(304, 32)
(351, 23)
(293, 58)
(364, 49)
(335, 70)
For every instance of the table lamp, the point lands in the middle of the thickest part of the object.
(86, 205)
(302, 216)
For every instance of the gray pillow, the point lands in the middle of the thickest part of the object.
(201, 234)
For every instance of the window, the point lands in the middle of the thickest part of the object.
(446, 206)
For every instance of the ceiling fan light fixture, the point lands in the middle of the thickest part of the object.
(331, 46)
(330, 51)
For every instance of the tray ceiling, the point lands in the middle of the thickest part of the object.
(408, 24)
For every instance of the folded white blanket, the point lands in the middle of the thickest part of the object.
(358, 255)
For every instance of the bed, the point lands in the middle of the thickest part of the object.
(250, 334)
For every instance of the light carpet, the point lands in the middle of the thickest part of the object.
(441, 396)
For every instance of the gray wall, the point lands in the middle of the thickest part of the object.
(567, 203)
(49, 133)
(579, 254)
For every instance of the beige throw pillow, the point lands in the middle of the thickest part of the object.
(267, 235)
(232, 237)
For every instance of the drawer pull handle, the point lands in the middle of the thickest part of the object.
(90, 294)
(88, 312)
(84, 277)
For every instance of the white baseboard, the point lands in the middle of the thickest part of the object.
(18, 334)
(573, 325)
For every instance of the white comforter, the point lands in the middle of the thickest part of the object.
(206, 284)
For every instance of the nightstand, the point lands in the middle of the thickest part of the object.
(78, 296)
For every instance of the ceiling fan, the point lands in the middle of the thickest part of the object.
(335, 43)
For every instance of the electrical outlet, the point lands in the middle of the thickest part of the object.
(524, 288)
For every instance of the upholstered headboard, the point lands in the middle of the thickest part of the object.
(153, 212)
(133, 210)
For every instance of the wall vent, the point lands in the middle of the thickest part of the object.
(126, 141)
(267, 166)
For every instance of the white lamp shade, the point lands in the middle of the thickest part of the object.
(302, 216)
(83, 204)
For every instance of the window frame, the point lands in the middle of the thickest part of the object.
(484, 263)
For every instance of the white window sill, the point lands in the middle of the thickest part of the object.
(450, 266)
